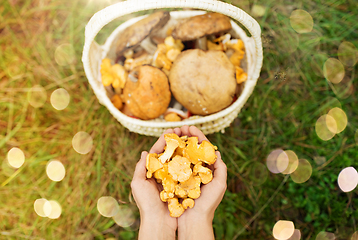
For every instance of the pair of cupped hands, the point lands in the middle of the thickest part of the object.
(195, 223)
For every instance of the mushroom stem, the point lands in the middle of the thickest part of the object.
(201, 43)
(148, 46)
(133, 76)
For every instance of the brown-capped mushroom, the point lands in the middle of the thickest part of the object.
(203, 82)
(134, 34)
(201, 25)
(146, 92)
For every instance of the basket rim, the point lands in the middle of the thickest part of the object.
(158, 122)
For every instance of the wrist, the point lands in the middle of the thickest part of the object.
(196, 227)
(155, 228)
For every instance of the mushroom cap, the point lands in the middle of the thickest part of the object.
(149, 97)
(203, 82)
(135, 33)
(201, 25)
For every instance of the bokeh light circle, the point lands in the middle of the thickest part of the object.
(340, 118)
(107, 206)
(60, 99)
(55, 170)
(319, 160)
(325, 236)
(276, 164)
(82, 142)
(333, 70)
(124, 217)
(292, 161)
(6, 168)
(37, 96)
(258, 10)
(301, 21)
(39, 207)
(296, 235)
(52, 209)
(356, 136)
(348, 179)
(347, 54)
(283, 229)
(65, 54)
(16, 157)
(303, 171)
(258, 173)
(326, 127)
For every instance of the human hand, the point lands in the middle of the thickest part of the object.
(196, 223)
(155, 220)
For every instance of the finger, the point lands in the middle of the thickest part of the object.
(194, 131)
(220, 169)
(177, 131)
(140, 169)
(159, 145)
(185, 131)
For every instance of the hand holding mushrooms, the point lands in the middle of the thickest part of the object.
(183, 179)
(173, 70)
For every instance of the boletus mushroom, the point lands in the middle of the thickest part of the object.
(136, 33)
(199, 26)
(146, 93)
(203, 81)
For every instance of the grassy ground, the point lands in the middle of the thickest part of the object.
(290, 96)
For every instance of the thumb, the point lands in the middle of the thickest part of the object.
(140, 169)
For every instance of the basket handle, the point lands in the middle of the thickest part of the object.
(106, 15)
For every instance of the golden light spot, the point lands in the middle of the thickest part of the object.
(354, 236)
(348, 179)
(283, 229)
(356, 136)
(258, 173)
(340, 118)
(296, 235)
(333, 70)
(275, 164)
(124, 217)
(55, 171)
(16, 157)
(325, 236)
(6, 168)
(39, 207)
(319, 160)
(60, 99)
(37, 96)
(348, 54)
(65, 54)
(52, 209)
(82, 142)
(258, 10)
(343, 89)
(326, 127)
(303, 171)
(107, 206)
(292, 161)
(301, 21)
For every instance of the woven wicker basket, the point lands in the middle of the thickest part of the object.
(94, 53)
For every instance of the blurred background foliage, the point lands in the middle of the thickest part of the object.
(291, 94)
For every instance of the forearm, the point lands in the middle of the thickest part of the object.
(200, 229)
(152, 229)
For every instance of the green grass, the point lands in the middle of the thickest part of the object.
(290, 96)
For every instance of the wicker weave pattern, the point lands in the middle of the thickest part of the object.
(93, 53)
